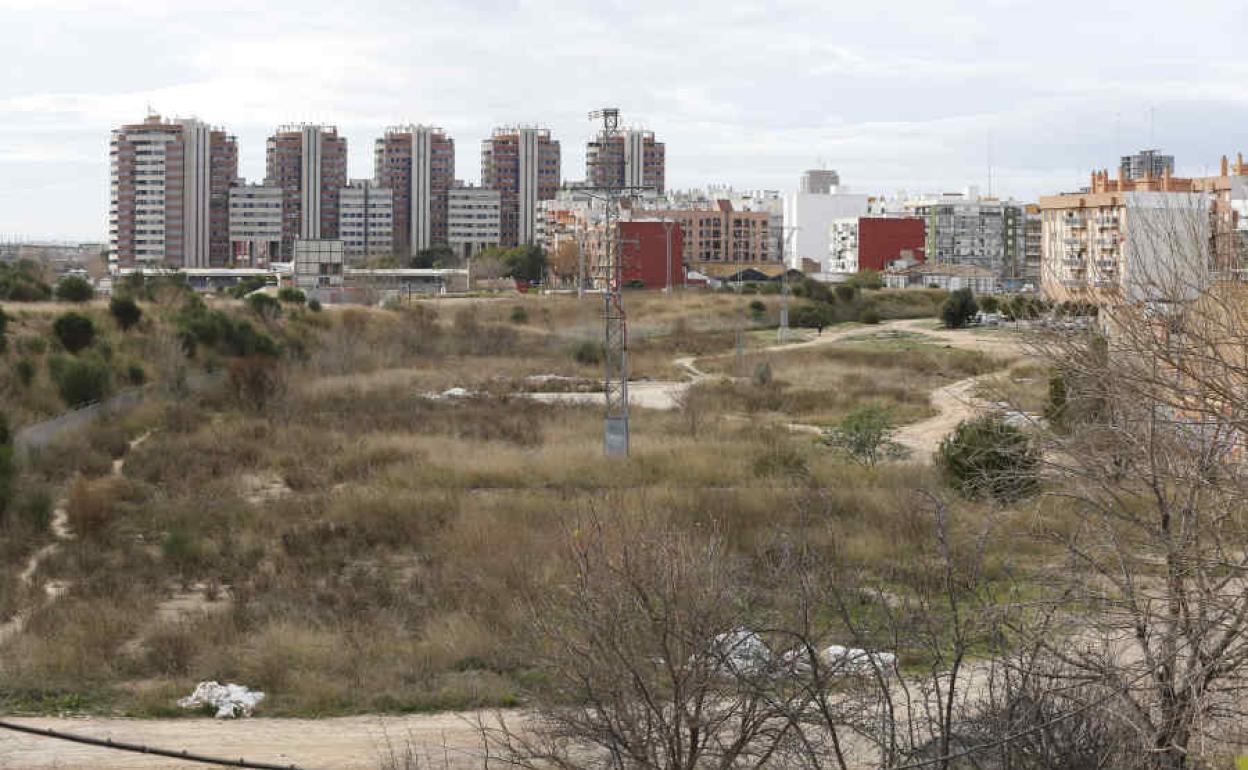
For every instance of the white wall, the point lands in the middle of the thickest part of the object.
(813, 214)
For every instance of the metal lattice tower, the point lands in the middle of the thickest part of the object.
(615, 322)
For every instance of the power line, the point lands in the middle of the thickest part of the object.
(109, 743)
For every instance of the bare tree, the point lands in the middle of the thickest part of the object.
(1147, 460)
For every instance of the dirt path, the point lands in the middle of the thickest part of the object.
(347, 743)
(954, 403)
(53, 589)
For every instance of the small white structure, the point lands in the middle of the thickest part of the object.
(318, 264)
(948, 277)
(809, 217)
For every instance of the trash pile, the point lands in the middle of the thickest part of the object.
(230, 700)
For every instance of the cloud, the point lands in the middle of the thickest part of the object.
(913, 93)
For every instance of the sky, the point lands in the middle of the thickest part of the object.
(914, 95)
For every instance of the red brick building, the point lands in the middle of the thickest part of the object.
(418, 164)
(523, 165)
(644, 249)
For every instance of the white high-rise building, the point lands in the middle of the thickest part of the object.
(808, 221)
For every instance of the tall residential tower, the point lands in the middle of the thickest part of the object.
(169, 194)
(626, 159)
(523, 165)
(418, 164)
(309, 163)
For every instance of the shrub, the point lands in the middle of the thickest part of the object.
(519, 315)
(959, 309)
(866, 436)
(74, 289)
(25, 371)
(4, 323)
(80, 381)
(990, 304)
(32, 507)
(291, 296)
(314, 305)
(247, 286)
(762, 374)
(92, 504)
(256, 381)
(846, 293)
(757, 309)
(74, 331)
(869, 315)
(264, 306)
(634, 283)
(866, 279)
(20, 282)
(811, 316)
(126, 312)
(135, 374)
(988, 457)
(35, 346)
(6, 464)
(587, 353)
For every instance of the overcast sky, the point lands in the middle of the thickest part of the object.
(903, 94)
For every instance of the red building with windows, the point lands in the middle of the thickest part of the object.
(884, 240)
(644, 248)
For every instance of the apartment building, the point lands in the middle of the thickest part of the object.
(718, 239)
(968, 229)
(169, 183)
(1033, 251)
(255, 224)
(522, 164)
(1146, 163)
(1114, 241)
(418, 164)
(875, 243)
(809, 218)
(629, 158)
(472, 219)
(309, 163)
(318, 264)
(819, 181)
(366, 221)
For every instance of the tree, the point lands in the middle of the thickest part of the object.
(74, 288)
(291, 295)
(811, 316)
(125, 311)
(565, 260)
(989, 304)
(264, 306)
(959, 309)
(80, 380)
(434, 257)
(646, 658)
(525, 263)
(865, 435)
(987, 457)
(866, 279)
(23, 282)
(74, 331)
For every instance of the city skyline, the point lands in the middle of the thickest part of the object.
(752, 99)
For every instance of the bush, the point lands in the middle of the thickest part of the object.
(264, 306)
(291, 296)
(811, 316)
(74, 331)
(866, 436)
(74, 289)
(135, 374)
(869, 315)
(80, 381)
(990, 304)
(25, 371)
(757, 309)
(519, 315)
(988, 457)
(587, 353)
(762, 374)
(959, 309)
(6, 464)
(256, 381)
(866, 279)
(247, 286)
(846, 293)
(314, 305)
(20, 282)
(4, 323)
(126, 312)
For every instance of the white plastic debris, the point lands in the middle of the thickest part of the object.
(742, 651)
(230, 700)
(844, 660)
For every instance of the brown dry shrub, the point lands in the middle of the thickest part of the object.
(92, 504)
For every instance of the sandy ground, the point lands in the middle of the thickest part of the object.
(347, 743)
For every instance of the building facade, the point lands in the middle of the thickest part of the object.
(318, 264)
(967, 229)
(309, 163)
(169, 194)
(808, 222)
(626, 159)
(522, 164)
(472, 220)
(1121, 239)
(418, 164)
(819, 181)
(651, 255)
(875, 243)
(718, 238)
(255, 224)
(1146, 163)
(366, 221)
